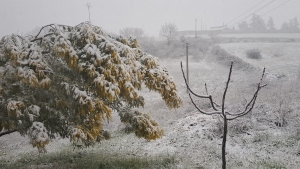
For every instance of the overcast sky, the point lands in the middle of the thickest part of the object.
(22, 16)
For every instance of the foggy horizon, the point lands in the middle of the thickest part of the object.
(21, 17)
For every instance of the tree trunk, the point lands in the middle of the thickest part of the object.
(224, 144)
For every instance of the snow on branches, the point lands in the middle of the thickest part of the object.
(142, 124)
(72, 78)
(39, 137)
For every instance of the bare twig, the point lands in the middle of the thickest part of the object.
(197, 95)
(51, 25)
(7, 132)
(225, 91)
(202, 111)
(40, 38)
(208, 94)
(251, 103)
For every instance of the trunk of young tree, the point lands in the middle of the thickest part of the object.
(224, 144)
(220, 110)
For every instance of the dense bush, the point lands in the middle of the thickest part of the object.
(254, 54)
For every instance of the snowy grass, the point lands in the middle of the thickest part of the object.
(123, 151)
(261, 35)
(89, 159)
(277, 58)
(193, 140)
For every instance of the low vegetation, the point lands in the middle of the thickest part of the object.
(84, 159)
(254, 54)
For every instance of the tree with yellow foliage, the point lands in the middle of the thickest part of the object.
(68, 81)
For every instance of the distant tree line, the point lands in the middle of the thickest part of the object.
(135, 33)
(168, 30)
(257, 24)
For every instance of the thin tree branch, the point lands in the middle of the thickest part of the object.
(251, 103)
(41, 31)
(225, 91)
(206, 89)
(7, 132)
(201, 111)
(210, 95)
(200, 96)
(40, 38)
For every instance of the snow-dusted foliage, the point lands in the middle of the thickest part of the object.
(142, 124)
(72, 78)
(39, 136)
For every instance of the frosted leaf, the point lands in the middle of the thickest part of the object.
(39, 136)
(77, 134)
(66, 87)
(31, 117)
(14, 108)
(9, 70)
(131, 95)
(167, 87)
(34, 55)
(61, 41)
(83, 56)
(81, 101)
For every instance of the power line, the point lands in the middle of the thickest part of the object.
(275, 8)
(246, 12)
(255, 11)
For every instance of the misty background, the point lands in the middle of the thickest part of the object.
(21, 17)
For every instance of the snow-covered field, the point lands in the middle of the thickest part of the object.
(261, 35)
(253, 35)
(195, 139)
(281, 59)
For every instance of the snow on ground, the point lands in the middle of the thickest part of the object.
(260, 35)
(195, 138)
(14, 146)
(280, 59)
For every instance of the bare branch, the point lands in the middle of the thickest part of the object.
(40, 38)
(202, 111)
(7, 132)
(210, 95)
(225, 91)
(197, 95)
(251, 103)
(206, 89)
(41, 31)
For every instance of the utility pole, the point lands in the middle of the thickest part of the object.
(89, 6)
(187, 64)
(195, 28)
(201, 24)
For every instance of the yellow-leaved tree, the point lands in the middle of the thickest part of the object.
(69, 80)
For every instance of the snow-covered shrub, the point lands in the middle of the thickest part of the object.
(254, 54)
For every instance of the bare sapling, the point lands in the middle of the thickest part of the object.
(217, 109)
